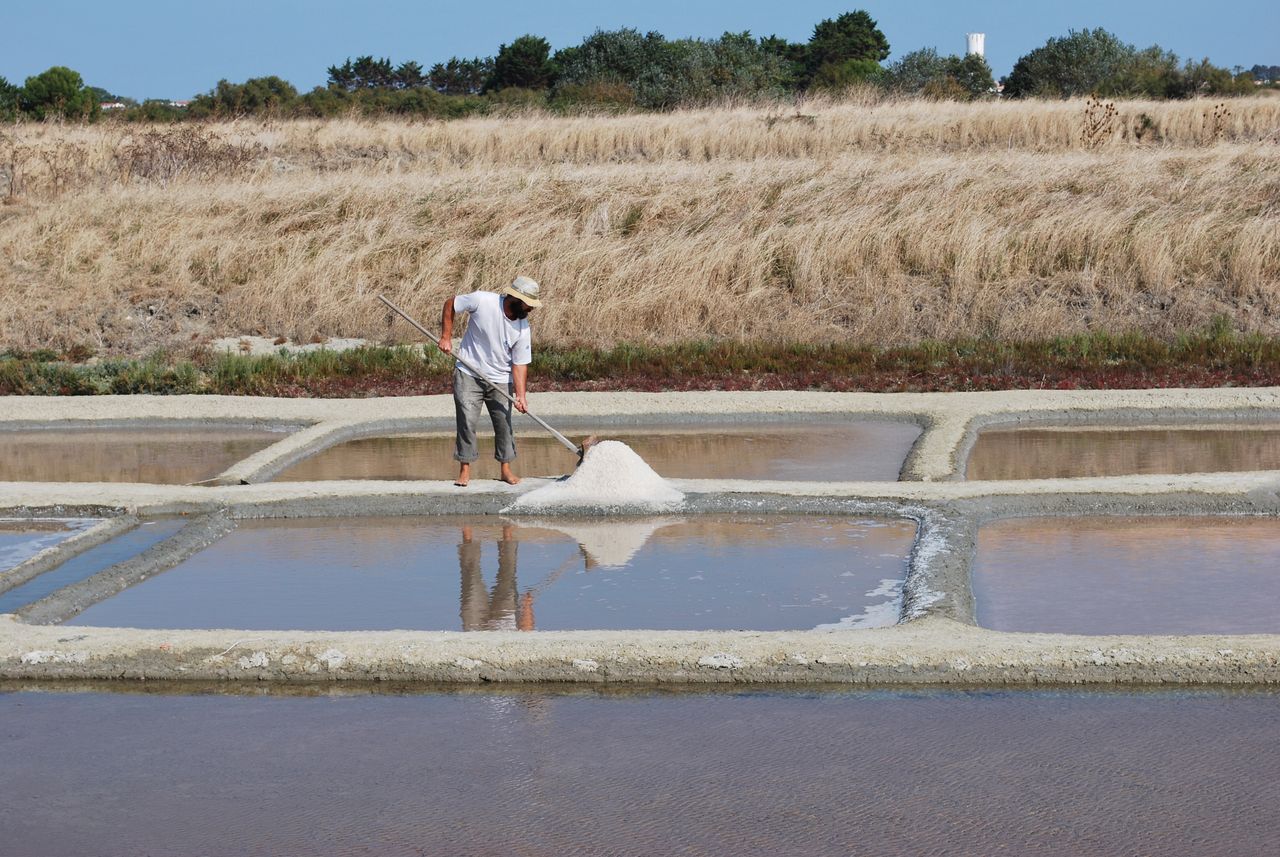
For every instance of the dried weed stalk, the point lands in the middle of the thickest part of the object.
(1098, 124)
(162, 156)
(13, 158)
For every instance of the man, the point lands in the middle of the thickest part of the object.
(497, 343)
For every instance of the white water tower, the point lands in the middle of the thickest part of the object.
(976, 43)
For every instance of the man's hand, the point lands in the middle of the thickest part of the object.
(522, 403)
(446, 345)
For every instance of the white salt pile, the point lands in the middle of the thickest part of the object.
(611, 478)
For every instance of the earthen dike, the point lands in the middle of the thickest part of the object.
(936, 640)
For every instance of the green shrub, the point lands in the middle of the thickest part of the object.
(271, 96)
(1096, 62)
(841, 48)
(655, 73)
(1080, 63)
(523, 64)
(58, 92)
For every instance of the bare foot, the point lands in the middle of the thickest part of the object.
(507, 476)
(464, 476)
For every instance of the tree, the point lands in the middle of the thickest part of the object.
(741, 66)
(1204, 78)
(408, 75)
(460, 76)
(1267, 73)
(835, 42)
(624, 68)
(154, 110)
(343, 76)
(972, 73)
(1152, 72)
(924, 72)
(1080, 63)
(374, 73)
(258, 95)
(615, 56)
(913, 71)
(842, 75)
(103, 96)
(792, 55)
(365, 73)
(10, 100)
(525, 63)
(58, 91)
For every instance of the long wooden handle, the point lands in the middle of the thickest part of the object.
(570, 445)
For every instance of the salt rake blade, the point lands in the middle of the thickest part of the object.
(585, 447)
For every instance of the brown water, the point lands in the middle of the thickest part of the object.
(537, 773)
(1129, 575)
(763, 573)
(164, 456)
(1063, 451)
(826, 451)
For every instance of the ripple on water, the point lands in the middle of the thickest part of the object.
(537, 773)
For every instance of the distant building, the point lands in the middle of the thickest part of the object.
(112, 105)
(975, 43)
(180, 104)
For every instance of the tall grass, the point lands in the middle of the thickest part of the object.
(824, 222)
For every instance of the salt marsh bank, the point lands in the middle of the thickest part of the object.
(834, 572)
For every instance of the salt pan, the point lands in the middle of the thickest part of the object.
(611, 478)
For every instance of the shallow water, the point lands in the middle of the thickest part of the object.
(1066, 451)
(162, 456)
(536, 773)
(872, 450)
(89, 563)
(1129, 575)
(22, 539)
(477, 573)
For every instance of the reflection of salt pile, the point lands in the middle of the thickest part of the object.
(611, 477)
(609, 544)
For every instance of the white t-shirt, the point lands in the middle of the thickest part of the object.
(493, 343)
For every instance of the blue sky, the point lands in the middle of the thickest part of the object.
(177, 48)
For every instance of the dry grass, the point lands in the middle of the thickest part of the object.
(880, 223)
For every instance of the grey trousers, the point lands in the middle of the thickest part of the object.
(483, 609)
(468, 394)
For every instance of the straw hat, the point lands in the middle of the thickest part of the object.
(524, 289)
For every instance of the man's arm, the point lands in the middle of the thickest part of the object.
(520, 377)
(446, 327)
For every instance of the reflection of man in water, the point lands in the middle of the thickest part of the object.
(496, 610)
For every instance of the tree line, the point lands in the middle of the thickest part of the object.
(628, 70)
